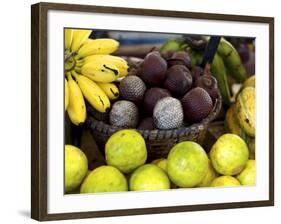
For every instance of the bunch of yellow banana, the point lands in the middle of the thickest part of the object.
(90, 73)
(240, 118)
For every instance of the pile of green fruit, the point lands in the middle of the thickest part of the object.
(166, 93)
(187, 165)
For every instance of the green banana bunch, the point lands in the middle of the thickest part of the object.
(232, 61)
(218, 70)
(76, 108)
(88, 61)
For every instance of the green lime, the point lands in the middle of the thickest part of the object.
(149, 177)
(229, 154)
(248, 175)
(225, 181)
(187, 164)
(75, 167)
(209, 177)
(162, 163)
(126, 150)
(104, 179)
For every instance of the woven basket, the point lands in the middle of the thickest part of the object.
(158, 142)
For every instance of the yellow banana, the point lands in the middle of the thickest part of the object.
(246, 110)
(232, 60)
(119, 62)
(98, 46)
(93, 93)
(66, 94)
(110, 89)
(68, 34)
(76, 108)
(79, 37)
(100, 71)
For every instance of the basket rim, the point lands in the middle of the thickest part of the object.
(92, 123)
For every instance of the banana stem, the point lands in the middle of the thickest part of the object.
(68, 75)
(67, 57)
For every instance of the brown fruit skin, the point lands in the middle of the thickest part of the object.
(124, 114)
(196, 72)
(151, 97)
(180, 58)
(178, 79)
(209, 83)
(197, 104)
(146, 124)
(153, 69)
(96, 114)
(132, 88)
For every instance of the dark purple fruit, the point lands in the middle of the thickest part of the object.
(153, 69)
(196, 72)
(146, 124)
(178, 79)
(96, 114)
(132, 88)
(208, 83)
(152, 96)
(180, 58)
(197, 104)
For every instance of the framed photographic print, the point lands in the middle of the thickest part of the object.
(138, 111)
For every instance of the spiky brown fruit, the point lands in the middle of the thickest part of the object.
(197, 104)
(168, 113)
(153, 69)
(178, 79)
(124, 114)
(209, 83)
(151, 97)
(180, 58)
(132, 88)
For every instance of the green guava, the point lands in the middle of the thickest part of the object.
(248, 175)
(149, 177)
(225, 181)
(162, 163)
(209, 177)
(75, 167)
(126, 150)
(187, 164)
(104, 179)
(229, 154)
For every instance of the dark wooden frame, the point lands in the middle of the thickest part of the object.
(39, 110)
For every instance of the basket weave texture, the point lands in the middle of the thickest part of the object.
(158, 142)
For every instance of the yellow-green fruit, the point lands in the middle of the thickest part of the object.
(252, 147)
(250, 82)
(246, 110)
(231, 122)
(75, 167)
(248, 175)
(126, 150)
(162, 163)
(149, 177)
(209, 177)
(225, 181)
(229, 154)
(104, 179)
(187, 164)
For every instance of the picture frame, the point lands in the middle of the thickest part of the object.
(41, 178)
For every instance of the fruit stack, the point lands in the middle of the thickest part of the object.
(166, 93)
(187, 165)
